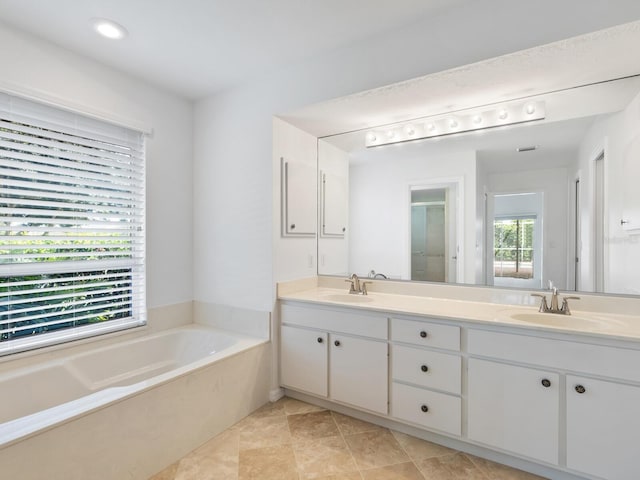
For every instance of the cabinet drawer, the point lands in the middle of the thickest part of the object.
(335, 321)
(425, 334)
(441, 371)
(443, 411)
(579, 357)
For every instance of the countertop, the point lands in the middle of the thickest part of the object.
(593, 324)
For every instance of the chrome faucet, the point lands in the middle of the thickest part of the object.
(357, 287)
(554, 308)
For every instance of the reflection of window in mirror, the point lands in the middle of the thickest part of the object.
(515, 239)
(513, 247)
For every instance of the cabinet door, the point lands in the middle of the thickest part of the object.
(299, 198)
(603, 428)
(358, 373)
(513, 409)
(303, 360)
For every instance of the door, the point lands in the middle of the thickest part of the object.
(514, 408)
(428, 243)
(303, 360)
(603, 428)
(358, 372)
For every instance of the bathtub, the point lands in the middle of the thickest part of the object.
(167, 392)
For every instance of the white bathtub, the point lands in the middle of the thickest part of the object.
(169, 371)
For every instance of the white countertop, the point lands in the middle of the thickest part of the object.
(595, 324)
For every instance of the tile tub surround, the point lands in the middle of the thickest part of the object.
(290, 439)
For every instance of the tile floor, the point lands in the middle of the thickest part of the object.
(292, 440)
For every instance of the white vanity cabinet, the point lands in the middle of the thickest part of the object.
(335, 354)
(426, 374)
(509, 409)
(603, 428)
(514, 408)
(304, 359)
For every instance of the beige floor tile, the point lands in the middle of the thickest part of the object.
(349, 425)
(270, 409)
(293, 406)
(375, 449)
(450, 467)
(307, 426)
(218, 458)
(271, 463)
(402, 471)
(260, 432)
(419, 449)
(168, 473)
(341, 476)
(323, 457)
(497, 471)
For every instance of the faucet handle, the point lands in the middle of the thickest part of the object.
(543, 302)
(363, 287)
(352, 286)
(565, 304)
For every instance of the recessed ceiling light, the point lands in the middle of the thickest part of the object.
(109, 28)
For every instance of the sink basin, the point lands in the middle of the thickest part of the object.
(347, 298)
(562, 321)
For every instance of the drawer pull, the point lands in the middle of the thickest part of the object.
(424, 368)
(546, 383)
(320, 340)
(423, 334)
(424, 408)
(580, 389)
(337, 343)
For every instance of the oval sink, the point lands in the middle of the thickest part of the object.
(562, 321)
(347, 298)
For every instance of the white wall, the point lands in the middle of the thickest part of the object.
(233, 145)
(553, 183)
(614, 135)
(45, 71)
(379, 209)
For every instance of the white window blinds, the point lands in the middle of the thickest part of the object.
(72, 244)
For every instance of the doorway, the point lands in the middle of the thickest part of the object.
(433, 233)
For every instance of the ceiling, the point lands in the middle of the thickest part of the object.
(198, 47)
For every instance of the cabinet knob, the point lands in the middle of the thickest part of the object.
(337, 343)
(546, 382)
(320, 340)
(424, 368)
(293, 226)
(423, 334)
(580, 389)
(424, 408)
(344, 229)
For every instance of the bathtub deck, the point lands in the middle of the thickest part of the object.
(292, 440)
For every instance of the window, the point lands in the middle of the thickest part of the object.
(513, 247)
(71, 226)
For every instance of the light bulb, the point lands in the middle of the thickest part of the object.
(391, 134)
(109, 28)
(453, 123)
(409, 130)
(371, 137)
(477, 119)
(530, 108)
(431, 127)
(503, 114)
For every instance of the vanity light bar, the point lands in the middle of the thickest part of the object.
(464, 121)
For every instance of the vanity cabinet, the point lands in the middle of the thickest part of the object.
(603, 428)
(304, 359)
(365, 360)
(426, 381)
(335, 354)
(514, 408)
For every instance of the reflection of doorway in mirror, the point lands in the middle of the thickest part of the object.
(432, 234)
(515, 239)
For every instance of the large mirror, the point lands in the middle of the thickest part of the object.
(551, 198)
